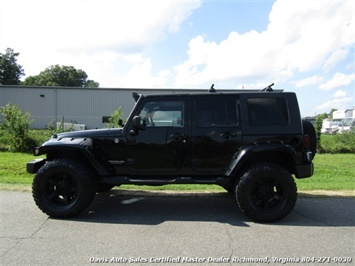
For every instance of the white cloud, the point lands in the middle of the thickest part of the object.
(337, 103)
(340, 94)
(338, 80)
(313, 80)
(108, 38)
(141, 74)
(336, 57)
(87, 34)
(83, 25)
(301, 36)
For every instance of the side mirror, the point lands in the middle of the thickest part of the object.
(120, 122)
(137, 123)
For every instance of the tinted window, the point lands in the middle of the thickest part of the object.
(215, 112)
(267, 111)
(162, 114)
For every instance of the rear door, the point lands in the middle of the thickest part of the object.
(215, 132)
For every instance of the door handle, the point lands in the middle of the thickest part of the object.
(227, 135)
(177, 136)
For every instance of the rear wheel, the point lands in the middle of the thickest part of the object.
(63, 188)
(266, 192)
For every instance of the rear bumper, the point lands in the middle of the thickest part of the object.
(304, 170)
(33, 166)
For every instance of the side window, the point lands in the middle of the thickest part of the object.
(162, 114)
(267, 112)
(215, 112)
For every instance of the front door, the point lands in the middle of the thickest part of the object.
(160, 146)
(215, 133)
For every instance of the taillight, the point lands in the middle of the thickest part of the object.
(307, 141)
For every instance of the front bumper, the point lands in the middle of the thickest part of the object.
(33, 166)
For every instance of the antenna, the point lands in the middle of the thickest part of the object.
(212, 89)
(268, 88)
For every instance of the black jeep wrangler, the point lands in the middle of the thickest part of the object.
(249, 142)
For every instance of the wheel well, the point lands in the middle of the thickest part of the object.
(283, 159)
(64, 153)
(70, 154)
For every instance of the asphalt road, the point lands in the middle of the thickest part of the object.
(153, 229)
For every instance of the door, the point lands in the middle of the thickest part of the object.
(215, 133)
(160, 145)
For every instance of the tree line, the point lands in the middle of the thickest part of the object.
(54, 75)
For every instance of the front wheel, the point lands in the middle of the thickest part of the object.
(63, 187)
(266, 192)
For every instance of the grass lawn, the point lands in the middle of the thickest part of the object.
(332, 172)
(13, 168)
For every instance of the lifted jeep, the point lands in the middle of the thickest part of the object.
(249, 142)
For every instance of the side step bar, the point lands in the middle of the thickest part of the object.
(120, 180)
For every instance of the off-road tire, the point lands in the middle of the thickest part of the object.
(63, 187)
(266, 192)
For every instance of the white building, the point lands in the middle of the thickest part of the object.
(342, 114)
(88, 106)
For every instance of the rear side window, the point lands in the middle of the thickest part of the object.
(268, 111)
(215, 112)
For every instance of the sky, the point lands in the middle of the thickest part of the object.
(304, 46)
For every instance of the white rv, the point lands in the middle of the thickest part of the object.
(344, 119)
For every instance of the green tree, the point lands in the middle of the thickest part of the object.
(10, 71)
(318, 128)
(56, 75)
(92, 84)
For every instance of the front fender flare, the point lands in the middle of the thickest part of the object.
(65, 145)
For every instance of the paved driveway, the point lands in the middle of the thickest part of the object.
(149, 228)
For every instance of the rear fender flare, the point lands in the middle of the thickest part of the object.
(246, 154)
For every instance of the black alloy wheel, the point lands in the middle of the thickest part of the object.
(63, 188)
(266, 192)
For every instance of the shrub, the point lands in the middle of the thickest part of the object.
(115, 116)
(40, 136)
(338, 143)
(15, 127)
(62, 127)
